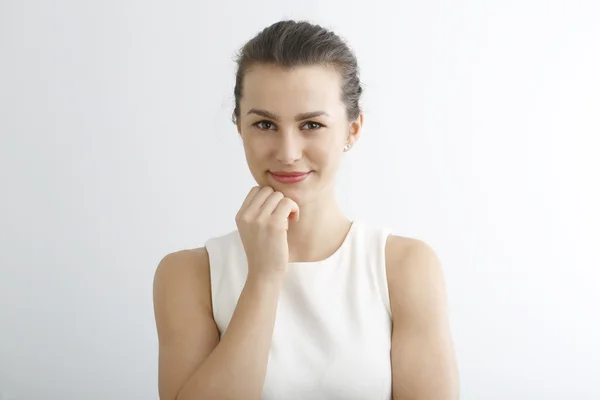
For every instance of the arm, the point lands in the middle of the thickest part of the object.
(423, 361)
(193, 364)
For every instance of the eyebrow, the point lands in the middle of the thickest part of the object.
(299, 117)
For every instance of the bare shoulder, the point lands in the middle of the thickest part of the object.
(181, 281)
(414, 272)
(183, 264)
(187, 332)
(397, 247)
(402, 252)
(181, 270)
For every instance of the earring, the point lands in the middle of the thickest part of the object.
(347, 147)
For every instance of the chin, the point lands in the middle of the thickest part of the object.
(297, 195)
(301, 193)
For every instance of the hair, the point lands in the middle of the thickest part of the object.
(292, 44)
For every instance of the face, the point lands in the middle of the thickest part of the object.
(294, 128)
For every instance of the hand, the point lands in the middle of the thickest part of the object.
(263, 221)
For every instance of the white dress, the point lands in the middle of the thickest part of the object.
(332, 334)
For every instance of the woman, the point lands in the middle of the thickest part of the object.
(300, 302)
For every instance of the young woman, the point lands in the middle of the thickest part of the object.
(300, 302)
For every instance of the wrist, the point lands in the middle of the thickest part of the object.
(270, 279)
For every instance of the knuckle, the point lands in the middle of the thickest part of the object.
(288, 202)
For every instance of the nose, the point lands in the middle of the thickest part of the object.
(289, 147)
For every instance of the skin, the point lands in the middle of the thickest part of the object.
(314, 144)
(193, 363)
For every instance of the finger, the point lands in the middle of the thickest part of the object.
(255, 205)
(287, 210)
(249, 197)
(270, 204)
(295, 215)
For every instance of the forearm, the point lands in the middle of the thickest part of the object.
(237, 366)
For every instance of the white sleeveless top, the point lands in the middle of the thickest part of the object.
(332, 334)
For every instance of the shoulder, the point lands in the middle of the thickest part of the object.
(182, 278)
(414, 273)
(190, 268)
(404, 255)
(190, 262)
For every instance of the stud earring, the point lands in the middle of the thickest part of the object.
(347, 147)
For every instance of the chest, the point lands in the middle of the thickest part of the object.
(332, 344)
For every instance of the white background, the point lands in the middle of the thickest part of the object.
(116, 148)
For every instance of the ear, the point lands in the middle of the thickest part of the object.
(355, 129)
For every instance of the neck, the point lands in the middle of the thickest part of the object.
(319, 232)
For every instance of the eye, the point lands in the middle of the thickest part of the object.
(264, 125)
(311, 125)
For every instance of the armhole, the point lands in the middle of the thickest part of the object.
(384, 237)
(213, 276)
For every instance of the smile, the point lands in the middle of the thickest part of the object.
(289, 177)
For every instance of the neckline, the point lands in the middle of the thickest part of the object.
(335, 255)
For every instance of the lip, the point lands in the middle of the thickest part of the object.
(289, 177)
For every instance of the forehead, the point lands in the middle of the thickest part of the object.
(287, 91)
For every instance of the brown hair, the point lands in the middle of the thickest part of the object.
(290, 44)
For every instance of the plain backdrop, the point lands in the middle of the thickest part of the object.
(481, 133)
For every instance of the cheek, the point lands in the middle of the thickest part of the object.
(327, 156)
(254, 150)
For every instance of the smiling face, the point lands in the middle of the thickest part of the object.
(293, 121)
